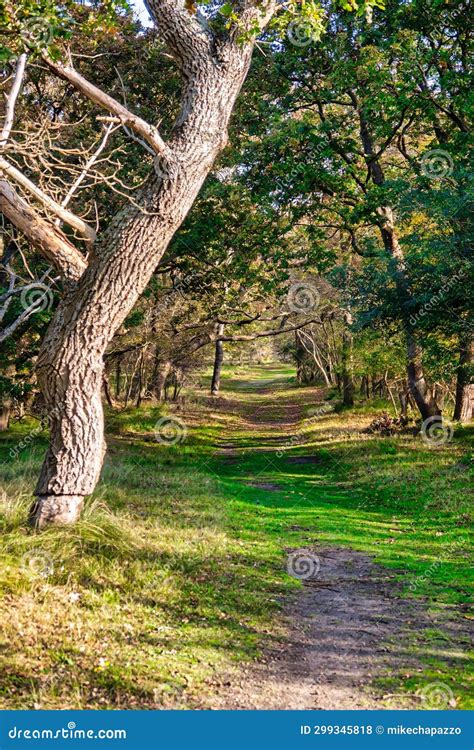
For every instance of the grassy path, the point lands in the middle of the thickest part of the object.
(173, 591)
(349, 629)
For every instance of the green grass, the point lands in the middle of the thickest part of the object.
(177, 570)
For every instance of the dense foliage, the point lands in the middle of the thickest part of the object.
(347, 184)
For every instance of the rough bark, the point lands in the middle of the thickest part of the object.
(218, 360)
(70, 364)
(464, 404)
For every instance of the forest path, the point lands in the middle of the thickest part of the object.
(347, 625)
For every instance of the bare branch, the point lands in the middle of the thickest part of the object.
(6, 298)
(111, 120)
(5, 333)
(89, 163)
(48, 239)
(11, 99)
(148, 132)
(35, 306)
(129, 132)
(264, 334)
(69, 218)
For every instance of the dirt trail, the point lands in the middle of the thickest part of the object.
(344, 628)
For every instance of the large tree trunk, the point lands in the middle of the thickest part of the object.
(71, 385)
(218, 360)
(464, 405)
(70, 364)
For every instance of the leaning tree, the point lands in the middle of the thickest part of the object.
(103, 287)
(212, 47)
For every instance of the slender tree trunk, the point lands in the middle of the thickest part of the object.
(439, 394)
(6, 402)
(464, 405)
(422, 393)
(347, 362)
(118, 378)
(402, 397)
(162, 372)
(218, 360)
(419, 388)
(139, 393)
(107, 392)
(299, 356)
(320, 366)
(417, 383)
(5, 411)
(129, 388)
(178, 377)
(70, 364)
